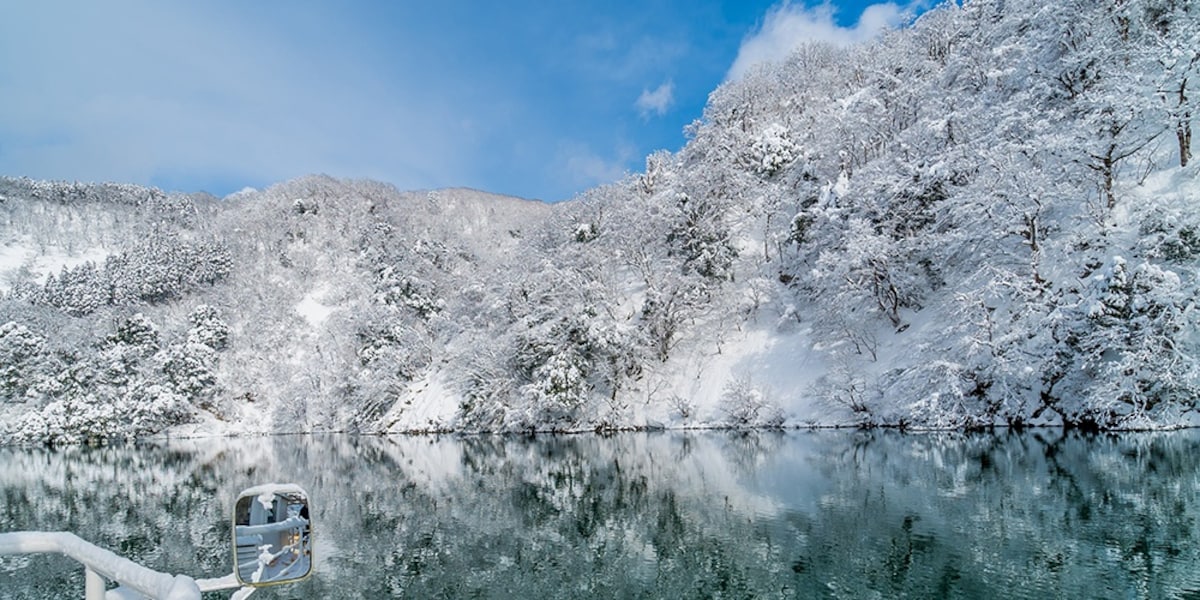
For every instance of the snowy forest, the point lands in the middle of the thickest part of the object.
(988, 217)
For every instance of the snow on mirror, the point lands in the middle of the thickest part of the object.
(272, 535)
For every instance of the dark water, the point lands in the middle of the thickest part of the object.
(835, 514)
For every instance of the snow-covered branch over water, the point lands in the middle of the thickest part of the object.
(985, 218)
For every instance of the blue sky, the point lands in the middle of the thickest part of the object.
(529, 98)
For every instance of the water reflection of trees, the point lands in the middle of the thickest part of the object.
(824, 514)
(1047, 513)
(127, 499)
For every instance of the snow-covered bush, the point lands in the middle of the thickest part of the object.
(208, 328)
(137, 331)
(745, 405)
(842, 393)
(87, 418)
(397, 288)
(125, 386)
(937, 395)
(153, 270)
(393, 350)
(585, 232)
(1170, 231)
(682, 407)
(189, 368)
(149, 408)
(1137, 345)
(557, 361)
(162, 267)
(487, 386)
(558, 391)
(22, 355)
(77, 292)
(702, 237)
(772, 150)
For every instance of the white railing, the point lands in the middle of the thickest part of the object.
(102, 566)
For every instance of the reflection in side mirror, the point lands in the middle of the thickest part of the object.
(272, 535)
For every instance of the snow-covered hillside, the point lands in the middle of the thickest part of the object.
(985, 218)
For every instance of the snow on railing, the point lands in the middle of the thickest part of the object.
(102, 565)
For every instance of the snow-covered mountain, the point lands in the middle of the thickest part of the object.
(988, 217)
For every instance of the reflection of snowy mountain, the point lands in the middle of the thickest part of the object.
(637, 515)
(965, 223)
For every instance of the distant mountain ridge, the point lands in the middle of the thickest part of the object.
(985, 219)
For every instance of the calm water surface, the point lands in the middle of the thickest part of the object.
(831, 514)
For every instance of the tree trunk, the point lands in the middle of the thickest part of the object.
(1183, 128)
(1110, 198)
(1184, 133)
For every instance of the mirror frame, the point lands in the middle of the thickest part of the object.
(277, 489)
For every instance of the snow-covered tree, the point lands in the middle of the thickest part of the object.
(208, 328)
(23, 358)
(1135, 342)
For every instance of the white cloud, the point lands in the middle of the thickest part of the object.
(656, 101)
(789, 26)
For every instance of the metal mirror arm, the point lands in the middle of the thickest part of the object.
(227, 582)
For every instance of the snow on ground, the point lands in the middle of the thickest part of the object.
(313, 310)
(782, 366)
(252, 420)
(1172, 193)
(1171, 181)
(775, 360)
(429, 404)
(50, 259)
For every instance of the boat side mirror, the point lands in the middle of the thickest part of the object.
(272, 535)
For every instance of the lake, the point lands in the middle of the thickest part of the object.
(821, 514)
